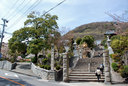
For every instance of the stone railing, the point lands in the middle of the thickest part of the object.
(107, 68)
(125, 58)
(6, 65)
(43, 73)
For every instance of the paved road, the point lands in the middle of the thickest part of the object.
(13, 79)
(23, 68)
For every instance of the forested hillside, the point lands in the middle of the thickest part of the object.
(96, 29)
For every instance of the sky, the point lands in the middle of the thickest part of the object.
(71, 13)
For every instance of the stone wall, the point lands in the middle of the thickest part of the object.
(6, 65)
(43, 73)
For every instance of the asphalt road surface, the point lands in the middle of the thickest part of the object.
(8, 78)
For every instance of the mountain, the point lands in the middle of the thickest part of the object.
(96, 29)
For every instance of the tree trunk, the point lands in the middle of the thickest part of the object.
(36, 56)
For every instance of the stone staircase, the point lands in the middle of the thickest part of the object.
(85, 70)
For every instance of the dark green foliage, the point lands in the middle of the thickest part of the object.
(71, 44)
(47, 67)
(110, 55)
(103, 42)
(78, 40)
(124, 72)
(119, 45)
(49, 55)
(89, 40)
(1, 59)
(70, 54)
(42, 66)
(45, 60)
(34, 36)
(34, 59)
(40, 56)
(115, 66)
(117, 59)
(56, 63)
(58, 67)
(115, 37)
(13, 59)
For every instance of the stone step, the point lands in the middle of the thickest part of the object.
(77, 77)
(79, 69)
(83, 74)
(86, 80)
(85, 77)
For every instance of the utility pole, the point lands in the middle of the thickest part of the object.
(2, 34)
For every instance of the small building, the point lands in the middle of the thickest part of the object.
(110, 33)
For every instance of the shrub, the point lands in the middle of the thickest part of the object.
(57, 67)
(124, 72)
(115, 66)
(70, 54)
(56, 63)
(49, 55)
(116, 57)
(47, 67)
(34, 60)
(40, 56)
(1, 59)
(45, 60)
(78, 40)
(103, 42)
(13, 60)
(41, 66)
(111, 55)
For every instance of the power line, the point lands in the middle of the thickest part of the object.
(30, 8)
(20, 9)
(54, 7)
(8, 12)
(8, 33)
(42, 15)
(14, 11)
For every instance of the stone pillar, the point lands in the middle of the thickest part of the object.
(52, 57)
(89, 67)
(81, 53)
(107, 67)
(65, 67)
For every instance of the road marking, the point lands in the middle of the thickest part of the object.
(12, 81)
(11, 74)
